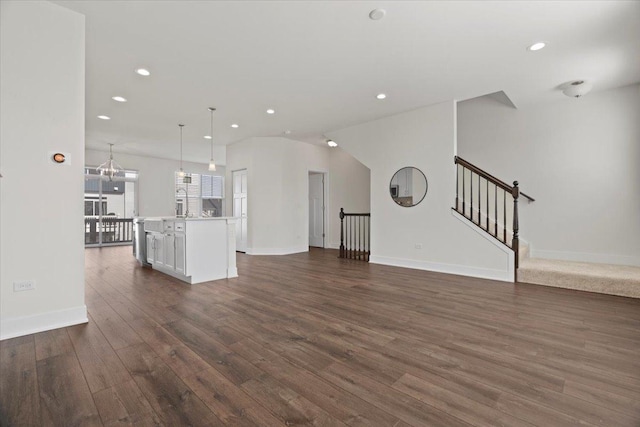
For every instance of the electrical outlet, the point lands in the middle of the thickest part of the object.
(25, 285)
(418, 245)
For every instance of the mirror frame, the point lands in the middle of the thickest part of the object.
(425, 191)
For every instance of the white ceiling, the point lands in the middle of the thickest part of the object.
(320, 64)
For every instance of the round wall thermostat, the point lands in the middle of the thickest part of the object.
(58, 158)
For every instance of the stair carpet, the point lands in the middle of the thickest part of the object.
(609, 279)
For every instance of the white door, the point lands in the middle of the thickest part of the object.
(316, 210)
(240, 208)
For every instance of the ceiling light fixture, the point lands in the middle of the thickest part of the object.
(331, 143)
(104, 117)
(207, 137)
(381, 96)
(181, 171)
(577, 89)
(377, 14)
(536, 46)
(119, 99)
(212, 164)
(110, 168)
(235, 126)
(271, 111)
(143, 72)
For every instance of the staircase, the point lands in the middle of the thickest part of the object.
(492, 205)
(489, 203)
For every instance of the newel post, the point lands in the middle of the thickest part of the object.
(515, 243)
(341, 232)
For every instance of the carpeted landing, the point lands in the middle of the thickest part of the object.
(602, 278)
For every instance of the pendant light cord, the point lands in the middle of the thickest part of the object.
(212, 110)
(181, 126)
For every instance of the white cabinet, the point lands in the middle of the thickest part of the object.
(169, 250)
(180, 253)
(151, 251)
(196, 250)
(158, 244)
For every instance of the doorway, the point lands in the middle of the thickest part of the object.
(240, 208)
(317, 209)
(109, 208)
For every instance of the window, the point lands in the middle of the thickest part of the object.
(203, 195)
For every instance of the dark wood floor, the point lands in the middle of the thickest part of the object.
(309, 339)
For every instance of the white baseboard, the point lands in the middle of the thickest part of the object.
(277, 251)
(333, 245)
(12, 327)
(462, 270)
(586, 257)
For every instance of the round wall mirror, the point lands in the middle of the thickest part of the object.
(408, 186)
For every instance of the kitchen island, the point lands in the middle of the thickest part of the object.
(194, 250)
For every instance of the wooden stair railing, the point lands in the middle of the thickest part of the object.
(495, 190)
(355, 235)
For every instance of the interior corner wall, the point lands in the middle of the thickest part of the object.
(156, 179)
(42, 78)
(278, 191)
(580, 160)
(349, 188)
(423, 138)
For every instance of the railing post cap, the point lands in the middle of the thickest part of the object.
(515, 183)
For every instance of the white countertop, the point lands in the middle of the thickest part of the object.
(173, 218)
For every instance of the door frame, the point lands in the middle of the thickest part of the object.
(325, 195)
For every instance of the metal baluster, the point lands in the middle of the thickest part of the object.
(487, 205)
(479, 199)
(504, 217)
(471, 196)
(495, 212)
(463, 191)
(457, 187)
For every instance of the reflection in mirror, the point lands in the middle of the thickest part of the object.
(408, 186)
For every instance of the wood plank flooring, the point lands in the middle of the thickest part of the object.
(310, 339)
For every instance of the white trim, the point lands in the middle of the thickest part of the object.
(586, 257)
(333, 245)
(277, 251)
(463, 270)
(12, 327)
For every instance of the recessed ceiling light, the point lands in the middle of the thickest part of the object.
(536, 46)
(331, 143)
(287, 132)
(119, 99)
(207, 137)
(104, 117)
(381, 96)
(271, 111)
(377, 14)
(143, 72)
(235, 126)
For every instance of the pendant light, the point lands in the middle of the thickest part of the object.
(212, 164)
(181, 172)
(110, 168)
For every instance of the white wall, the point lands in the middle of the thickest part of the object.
(156, 179)
(424, 138)
(580, 160)
(349, 188)
(278, 191)
(42, 104)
